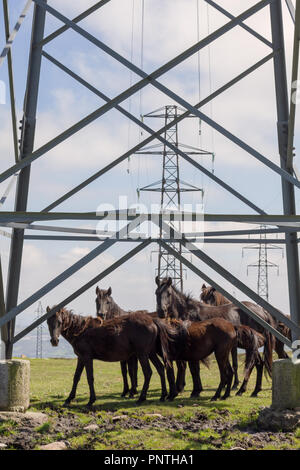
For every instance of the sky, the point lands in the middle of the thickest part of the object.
(247, 110)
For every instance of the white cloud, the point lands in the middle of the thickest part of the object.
(247, 110)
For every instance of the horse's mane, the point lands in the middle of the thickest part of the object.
(76, 324)
(220, 298)
(188, 304)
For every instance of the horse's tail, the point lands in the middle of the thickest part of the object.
(165, 336)
(268, 351)
(248, 340)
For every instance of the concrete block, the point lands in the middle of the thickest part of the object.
(14, 385)
(286, 384)
(2, 349)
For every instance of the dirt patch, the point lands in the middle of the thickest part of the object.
(279, 420)
(65, 425)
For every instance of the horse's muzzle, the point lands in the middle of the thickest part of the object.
(54, 341)
(161, 313)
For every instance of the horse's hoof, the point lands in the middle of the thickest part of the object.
(213, 398)
(66, 404)
(123, 395)
(224, 397)
(162, 398)
(195, 394)
(140, 401)
(239, 393)
(171, 397)
(254, 395)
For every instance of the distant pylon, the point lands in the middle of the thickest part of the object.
(263, 264)
(170, 186)
(39, 332)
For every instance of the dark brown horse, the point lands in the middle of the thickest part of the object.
(194, 342)
(211, 296)
(174, 304)
(111, 340)
(251, 341)
(107, 308)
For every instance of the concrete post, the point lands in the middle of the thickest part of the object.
(2, 349)
(286, 384)
(14, 385)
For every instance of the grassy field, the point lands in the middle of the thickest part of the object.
(185, 423)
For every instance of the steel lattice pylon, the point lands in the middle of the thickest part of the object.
(22, 221)
(263, 265)
(170, 187)
(39, 332)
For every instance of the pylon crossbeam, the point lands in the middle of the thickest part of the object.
(287, 223)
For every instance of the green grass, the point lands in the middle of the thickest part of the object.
(51, 382)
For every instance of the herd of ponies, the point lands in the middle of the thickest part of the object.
(183, 330)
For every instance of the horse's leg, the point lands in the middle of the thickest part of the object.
(132, 369)
(161, 372)
(248, 370)
(259, 372)
(90, 378)
(135, 374)
(77, 375)
(235, 367)
(171, 380)
(229, 377)
(279, 348)
(125, 381)
(225, 373)
(195, 372)
(180, 380)
(144, 361)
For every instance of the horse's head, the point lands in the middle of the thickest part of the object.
(163, 294)
(103, 302)
(55, 326)
(208, 295)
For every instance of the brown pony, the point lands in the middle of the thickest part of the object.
(111, 340)
(211, 296)
(251, 341)
(107, 308)
(194, 342)
(175, 304)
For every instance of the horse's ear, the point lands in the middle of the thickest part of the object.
(97, 290)
(48, 309)
(109, 291)
(213, 289)
(169, 282)
(157, 281)
(203, 286)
